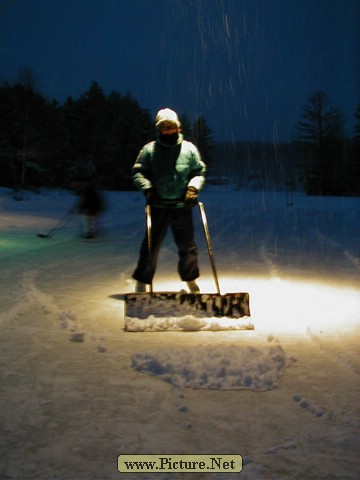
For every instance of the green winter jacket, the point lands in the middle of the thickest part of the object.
(169, 170)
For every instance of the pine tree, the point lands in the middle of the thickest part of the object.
(356, 136)
(186, 127)
(103, 136)
(27, 130)
(354, 160)
(320, 141)
(201, 135)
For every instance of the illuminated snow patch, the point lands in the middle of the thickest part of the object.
(166, 311)
(186, 323)
(295, 305)
(216, 367)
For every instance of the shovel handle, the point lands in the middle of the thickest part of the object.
(149, 234)
(209, 246)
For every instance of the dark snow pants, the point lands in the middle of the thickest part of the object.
(180, 221)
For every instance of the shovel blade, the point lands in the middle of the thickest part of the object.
(174, 309)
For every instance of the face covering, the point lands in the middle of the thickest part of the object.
(169, 139)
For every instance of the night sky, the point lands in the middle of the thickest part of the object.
(248, 66)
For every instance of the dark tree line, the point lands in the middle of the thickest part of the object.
(330, 162)
(321, 159)
(95, 137)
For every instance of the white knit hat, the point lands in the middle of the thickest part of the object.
(166, 115)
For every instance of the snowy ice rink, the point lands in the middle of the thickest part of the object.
(77, 390)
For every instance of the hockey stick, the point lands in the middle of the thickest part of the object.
(61, 223)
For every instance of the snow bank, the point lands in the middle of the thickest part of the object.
(216, 367)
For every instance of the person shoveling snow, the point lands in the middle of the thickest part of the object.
(170, 173)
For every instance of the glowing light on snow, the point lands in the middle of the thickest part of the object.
(6, 244)
(290, 306)
(11, 244)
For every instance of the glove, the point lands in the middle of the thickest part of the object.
(149, 195)
(191, 195)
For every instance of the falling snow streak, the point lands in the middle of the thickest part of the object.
(247, 66)
(220, 46)
(232, 54)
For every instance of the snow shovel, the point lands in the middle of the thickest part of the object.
(61, 223)
(177, 310)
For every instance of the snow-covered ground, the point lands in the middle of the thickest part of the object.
(77, 390)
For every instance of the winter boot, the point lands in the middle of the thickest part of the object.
(193, 287)
(140, 287)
